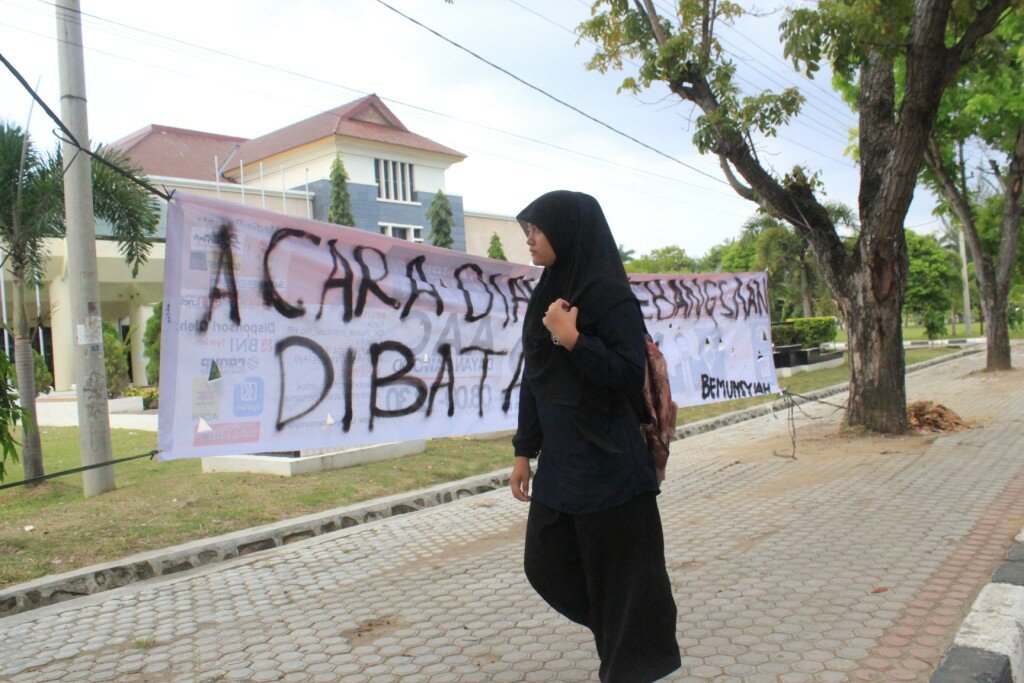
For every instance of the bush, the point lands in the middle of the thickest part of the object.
(783, 334)
(150, 396)
(44, 380)
(151, 344)
(813, 332)
(1015, 317)
(934, 324)
(115, 357)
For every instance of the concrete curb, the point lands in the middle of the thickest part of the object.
(989, 646)
(56, 588)
(692, 428)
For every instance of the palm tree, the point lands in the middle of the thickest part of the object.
(32, 211)
(787, 256)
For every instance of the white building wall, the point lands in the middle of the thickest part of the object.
(359, 158)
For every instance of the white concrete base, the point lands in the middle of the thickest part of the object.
(824, 365)
(59, 409)
(306, 464)
(918, 344)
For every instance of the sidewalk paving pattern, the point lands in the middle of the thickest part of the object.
(857, 567)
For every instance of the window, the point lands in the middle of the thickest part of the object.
(394, 180)
(410, 233)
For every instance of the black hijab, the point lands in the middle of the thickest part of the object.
(587, 273)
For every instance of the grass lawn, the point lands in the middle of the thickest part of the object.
(158, 504)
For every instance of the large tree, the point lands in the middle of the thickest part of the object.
(670, 259)
(930, 282)
(863, 40)
(32, 211)
(982, 118)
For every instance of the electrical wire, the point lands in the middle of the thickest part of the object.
(804, 118)
(551, 96)
(69, 137)
(335, 85)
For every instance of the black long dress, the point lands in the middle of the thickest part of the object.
(594, 545)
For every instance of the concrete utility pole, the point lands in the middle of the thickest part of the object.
(966, 284)
(90, 372)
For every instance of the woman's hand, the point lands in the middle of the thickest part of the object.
(520, 480)
(561, 322)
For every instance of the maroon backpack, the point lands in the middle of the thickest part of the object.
(660, 428)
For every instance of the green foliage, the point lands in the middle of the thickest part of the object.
(27, 222)
(811, 332)
(983, 104)
(1015, 317)
(495, 250)
(10, 413)
(626, 254)
(930, 277)
(670, 259)
(150, 396)
(783, 334)
(739, 255)
(934, 324)
(115, 357)
(340, 211)
(623, 33)
(711, 262)
(131, 210)
(441, 218)
(151, 343)
(842, 32)
(43, 377)
(988, 219)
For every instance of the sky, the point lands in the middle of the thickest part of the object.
(247, 68)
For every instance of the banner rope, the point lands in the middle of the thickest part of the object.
(33, 480)
(70, 138)
(791, 406)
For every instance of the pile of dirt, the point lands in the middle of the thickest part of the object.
(926, 416)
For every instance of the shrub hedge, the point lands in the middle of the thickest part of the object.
(807, 332)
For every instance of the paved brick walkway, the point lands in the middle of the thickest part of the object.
(850, 567)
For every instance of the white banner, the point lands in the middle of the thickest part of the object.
(286, 334)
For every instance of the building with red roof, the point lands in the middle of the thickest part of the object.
(394, 175)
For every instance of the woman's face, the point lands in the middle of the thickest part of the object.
(541, 251)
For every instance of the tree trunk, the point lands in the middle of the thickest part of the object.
(878, 397)
(952, 319)
(24, 367)
(997, 353)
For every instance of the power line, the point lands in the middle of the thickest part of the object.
(550, 96)
(509, 73)
(70, 139)
(828, 100)
(749, 63)
(806, 119)
(781, 137)
(542, 143)
(331, 84)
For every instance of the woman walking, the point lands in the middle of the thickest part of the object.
(594, 546)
